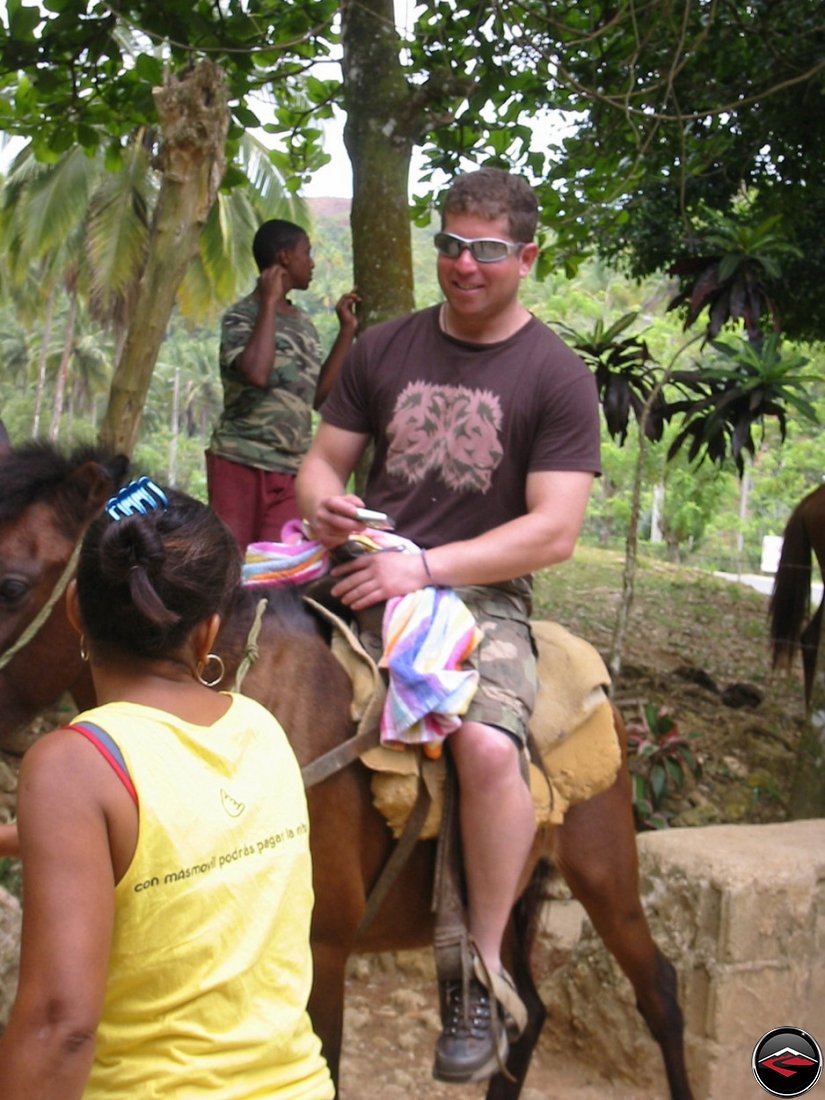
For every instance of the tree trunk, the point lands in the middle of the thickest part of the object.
(744, 497)
(614, 663)
(63, 369)
(657, 511)
(194, 119)
(173, 442)
(41, 364)
(379, 134)
(631, 556)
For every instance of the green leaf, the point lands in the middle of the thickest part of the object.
(61, 140)
(689, 759)
(675, 774)
(246, 117)
(149, 68)
(23, 21)
(658, 782)
(640, 793)
(113, 159)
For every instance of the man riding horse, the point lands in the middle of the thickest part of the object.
(486, 435)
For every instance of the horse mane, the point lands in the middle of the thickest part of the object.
(286, 605)
(38, 471)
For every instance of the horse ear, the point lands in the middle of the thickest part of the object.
(117, 467)
(95, 482)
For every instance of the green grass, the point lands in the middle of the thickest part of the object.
(690, 637)
(678, 614)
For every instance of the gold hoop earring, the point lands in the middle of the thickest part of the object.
(199, 670)
(84, 652)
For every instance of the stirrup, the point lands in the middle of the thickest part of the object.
(473, 1001)
(503, 989)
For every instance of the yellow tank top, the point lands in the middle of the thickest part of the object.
(210, 967)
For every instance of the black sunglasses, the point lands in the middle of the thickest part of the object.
(484, 250)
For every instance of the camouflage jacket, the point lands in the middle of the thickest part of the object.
(269, 428)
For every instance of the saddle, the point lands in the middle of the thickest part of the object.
(577, 753)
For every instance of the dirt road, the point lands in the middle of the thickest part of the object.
(391, 1024)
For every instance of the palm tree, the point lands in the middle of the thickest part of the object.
(78, 229)
(626, 376)
(223, 267)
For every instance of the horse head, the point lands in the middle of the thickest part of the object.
(47, 501)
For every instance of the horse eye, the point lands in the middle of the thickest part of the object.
(12, 591)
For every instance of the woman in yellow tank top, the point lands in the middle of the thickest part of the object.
(165, 845)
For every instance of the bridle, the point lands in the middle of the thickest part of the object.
(45, 611)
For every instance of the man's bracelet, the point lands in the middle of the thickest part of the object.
(426, 565)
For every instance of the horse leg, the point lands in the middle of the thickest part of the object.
(518, 948)
(326, 1001)
(809, 645)
(595, 850)
(338, 882)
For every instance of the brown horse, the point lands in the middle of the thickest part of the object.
(791, 599)
(46, 502)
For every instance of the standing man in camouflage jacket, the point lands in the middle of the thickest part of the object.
(270, 362)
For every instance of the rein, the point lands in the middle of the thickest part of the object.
(44, 612)
(250, 651)
(335, 759)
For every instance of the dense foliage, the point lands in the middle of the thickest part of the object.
(82, 72)
(690, 514)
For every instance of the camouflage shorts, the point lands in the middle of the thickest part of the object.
(505, 659)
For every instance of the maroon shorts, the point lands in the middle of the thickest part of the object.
(254, 504)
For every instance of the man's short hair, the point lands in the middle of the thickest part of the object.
(273, 236)
(493, 193)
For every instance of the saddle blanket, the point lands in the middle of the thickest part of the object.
(572, 725)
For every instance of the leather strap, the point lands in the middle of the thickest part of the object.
(338, 758)
(400, 853)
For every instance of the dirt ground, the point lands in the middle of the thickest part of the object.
(391, 1024)
(697, 646)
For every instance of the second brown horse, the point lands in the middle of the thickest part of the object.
(791, 627)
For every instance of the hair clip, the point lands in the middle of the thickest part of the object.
(138, 497)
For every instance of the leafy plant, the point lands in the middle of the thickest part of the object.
(625, 375)
(742, 386)
(10, 877)
(732, 279)
(661, 763)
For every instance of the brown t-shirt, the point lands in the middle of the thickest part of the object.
(457, 427)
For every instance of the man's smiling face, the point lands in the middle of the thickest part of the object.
(481, 291)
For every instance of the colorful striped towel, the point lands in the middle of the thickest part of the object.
(299, 560)
(296, 560)
(428, 635)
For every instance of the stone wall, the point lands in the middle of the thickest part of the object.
(740, 912)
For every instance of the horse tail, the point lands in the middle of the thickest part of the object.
(527, 910)
(790, 599)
